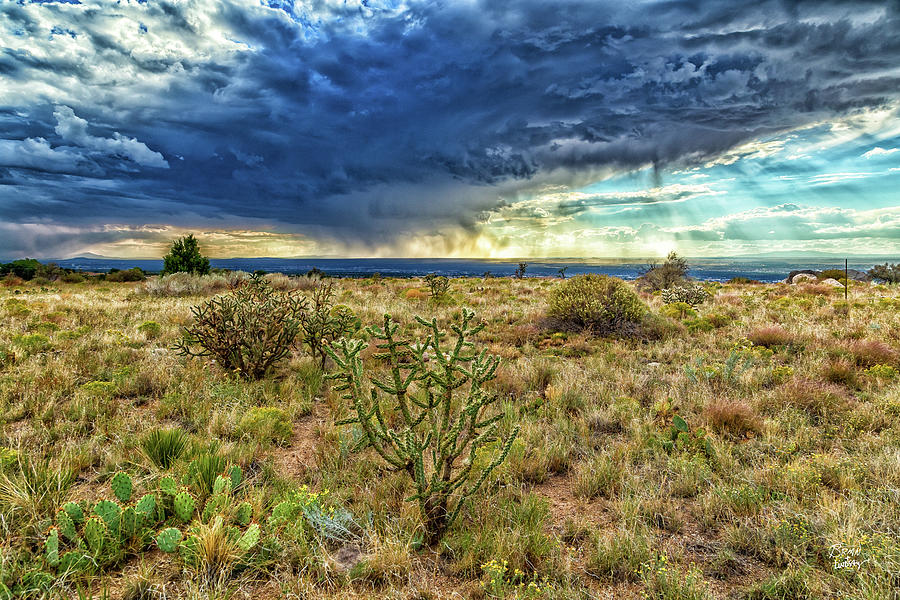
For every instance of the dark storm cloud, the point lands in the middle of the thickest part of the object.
(375, 122)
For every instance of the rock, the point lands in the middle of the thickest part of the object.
(803, 278)
(832, 282)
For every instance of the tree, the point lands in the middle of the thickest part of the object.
(185, 257)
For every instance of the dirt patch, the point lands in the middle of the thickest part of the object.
(299, 457)
(565, 506)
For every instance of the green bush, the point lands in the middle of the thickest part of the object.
(601, 304)
(151, 329)
(266, 423)
(32, 343)
(133, 274)
(678, 310)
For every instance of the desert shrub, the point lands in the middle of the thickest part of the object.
(692, 294)
(266, 423)
(187, 284)
(601, 304)
(660, 277)
(818, 399)
(133, 274)
(770, 336)
(32, 343)
(885, 273)
(324, 322)
(884, 372)
(731, 416)
(868, 353)
(742, 281)
(164, 446)
(247, 331)
(151, 329)
(438, 403)
(414, 294)
(72, 278)
(678, 310)
(184, 257)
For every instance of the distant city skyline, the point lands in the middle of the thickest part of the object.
(449, 129)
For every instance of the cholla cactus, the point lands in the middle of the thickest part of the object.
(438, 436)
(689, 293)
(325, 322)
(438, 285)
(248, 330)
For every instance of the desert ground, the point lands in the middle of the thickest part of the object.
(749, 448)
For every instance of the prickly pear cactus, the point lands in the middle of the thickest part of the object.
(249, 539)
(168, 539)
(73, 561)
(222, 485)
(146, 506)
(94, 532)
(282, 512)
(128, 522)
(235, 474)
(167, 485)
(122, 486)
(243, 514)
(214, 504)
(66, 525)
(184, 505)
(110, 512)
(51, 547)
(74, 511)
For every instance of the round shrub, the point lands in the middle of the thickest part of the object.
(603, 304)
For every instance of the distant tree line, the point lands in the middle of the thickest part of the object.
(30, 269)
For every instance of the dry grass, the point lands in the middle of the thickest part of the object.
(801, 459)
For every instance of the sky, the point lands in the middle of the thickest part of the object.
(449, 128)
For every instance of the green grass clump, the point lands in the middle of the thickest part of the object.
(164, 446)
(266, 424)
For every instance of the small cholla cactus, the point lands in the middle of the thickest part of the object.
(438, 435)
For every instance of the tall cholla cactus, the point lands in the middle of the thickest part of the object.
(435, 426)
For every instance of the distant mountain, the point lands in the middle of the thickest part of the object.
(816, 254)
(93, 256)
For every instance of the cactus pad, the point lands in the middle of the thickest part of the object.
(74, 511)
(250, 538)
(145, 506)
(94, 532)
(167, 485)
(168, 539)
(128, 523)
(222, 485)
(122, 486)
(184, 505)
(213, 505)
(73, 561)
(235, 474)
(110, 512)
(51, 547)
(66, 525)
(243, 514)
